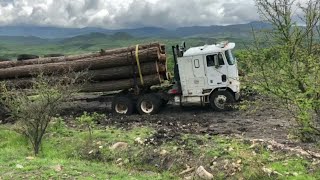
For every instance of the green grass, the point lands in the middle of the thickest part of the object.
(63, 150)
(44, 169)
(252, 160)
(81, 158)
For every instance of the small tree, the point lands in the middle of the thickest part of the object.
(33, 109)
(289, 69)
(89, 121)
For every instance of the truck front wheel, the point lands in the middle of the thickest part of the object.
(122, 105)
(222, 100)
(149, 104)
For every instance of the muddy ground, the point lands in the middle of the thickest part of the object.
(268, 122)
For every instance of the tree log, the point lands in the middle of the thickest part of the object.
(131, 48)
(102, 62)
(124, 72)
(24, 83)
(78, 57)
(102, 86)
(121, 84)
(163, 58)
(162, 48)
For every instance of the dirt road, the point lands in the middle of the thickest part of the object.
(267, 123)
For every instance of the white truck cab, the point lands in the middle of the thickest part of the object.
(208, 75)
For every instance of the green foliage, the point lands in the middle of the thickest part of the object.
(78, 159)
(288, 70)
(63, 150)
(33, 113)
(89, 121)
(58, 125)
(292, 82)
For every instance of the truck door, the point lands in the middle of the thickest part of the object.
(216, 70)
(197, 78)
(198, 67)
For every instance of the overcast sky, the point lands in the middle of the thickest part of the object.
(114, 14)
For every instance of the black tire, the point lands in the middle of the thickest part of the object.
(149, 104)
(122, 105)
(164, 102)
(222, 101)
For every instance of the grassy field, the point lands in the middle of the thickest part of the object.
(68, 152)
(11, 47)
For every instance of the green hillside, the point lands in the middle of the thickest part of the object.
(11, 47)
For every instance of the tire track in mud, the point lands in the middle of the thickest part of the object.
(267, 123)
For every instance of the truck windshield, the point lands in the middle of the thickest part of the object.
(230, 58)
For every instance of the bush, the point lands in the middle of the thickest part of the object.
(288, 69)
(89, 121)
(34, 109)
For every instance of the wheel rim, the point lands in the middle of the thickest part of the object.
(220, 101)
(147, 107)
(121, 108)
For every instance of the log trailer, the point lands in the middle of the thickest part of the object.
(207, 75)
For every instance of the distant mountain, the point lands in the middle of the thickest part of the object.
(56, 32)
(31, 40)
(121, 36)
(47, 32)
(91, 36)
(240, 30)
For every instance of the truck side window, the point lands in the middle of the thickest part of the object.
(221, 61)
(196, 63)
(211, 59)
(230, 58)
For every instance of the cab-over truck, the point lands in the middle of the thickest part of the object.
(207, 75)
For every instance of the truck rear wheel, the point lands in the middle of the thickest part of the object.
(122, 105)
(164, 102)
(222, 100)
(149, 104)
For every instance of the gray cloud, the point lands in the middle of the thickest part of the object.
(126, 13)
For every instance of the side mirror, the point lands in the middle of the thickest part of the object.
(216, 63)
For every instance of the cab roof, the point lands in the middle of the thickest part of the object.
(209, 49)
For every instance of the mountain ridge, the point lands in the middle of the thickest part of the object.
(57, 32)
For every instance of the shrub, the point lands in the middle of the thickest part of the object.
(33, 109)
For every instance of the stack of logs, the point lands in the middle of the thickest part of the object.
(108, 70)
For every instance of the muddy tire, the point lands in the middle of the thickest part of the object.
(164, 102)
(149, 104)
(122, 105)
(222, 101)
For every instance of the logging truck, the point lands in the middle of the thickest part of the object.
(206, 75)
